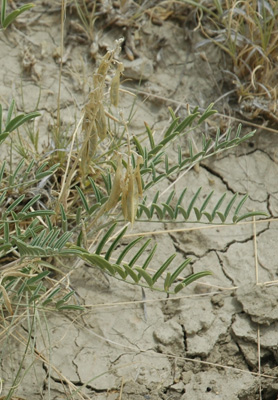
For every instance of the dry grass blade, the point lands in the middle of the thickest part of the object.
(6, 300)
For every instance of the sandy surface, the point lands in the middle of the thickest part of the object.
(215, 338)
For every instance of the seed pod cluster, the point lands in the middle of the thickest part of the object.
(95, 124)
(95, 118)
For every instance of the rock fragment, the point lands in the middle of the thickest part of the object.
(169, 335)
(260, 302)
(139, 69)
(246, 336)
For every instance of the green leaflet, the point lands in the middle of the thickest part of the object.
(190, 279)
(145, 275)
(163, 268)
(99, 261)
(6, 21)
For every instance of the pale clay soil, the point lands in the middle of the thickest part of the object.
(119, 349)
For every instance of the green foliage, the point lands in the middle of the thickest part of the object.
(130, 273)
(157, 155)
(36, 233)
(6, 20)
(100, 188)
(166, 212)
(13, 123)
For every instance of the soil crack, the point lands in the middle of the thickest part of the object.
(223, 269)
(184, 338)
(219, 176)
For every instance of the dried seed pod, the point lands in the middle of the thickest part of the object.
(132, 190)
(93, 141)
(101, 123)
(129, 53)
(132, 199)
(99, 76)
(129, 197)
(115, 86)
(91, 137)
(90, 143)
(116, 187)
(137, 175)
(114, 90)
(124, 194)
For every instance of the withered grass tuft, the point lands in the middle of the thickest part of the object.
(247, 32)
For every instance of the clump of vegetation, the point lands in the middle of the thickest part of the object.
(247, 32)
(63, 208)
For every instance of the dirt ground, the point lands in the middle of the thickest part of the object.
(218, 339)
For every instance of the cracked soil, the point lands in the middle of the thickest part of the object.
(219, 338)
